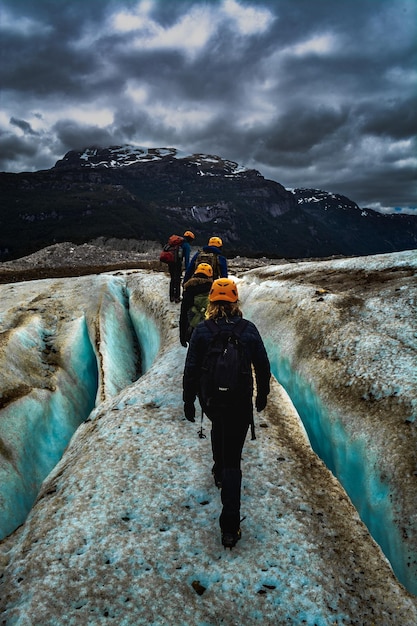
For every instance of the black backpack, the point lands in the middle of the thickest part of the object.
(226, 373)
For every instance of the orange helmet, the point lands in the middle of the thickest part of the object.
(189, 234)
(204, 268)
(215, 241)
(224, 290)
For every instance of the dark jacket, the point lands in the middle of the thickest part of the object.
(221, 259)
(199, 343)
(193, 287)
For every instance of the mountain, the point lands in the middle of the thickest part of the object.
(138, 193)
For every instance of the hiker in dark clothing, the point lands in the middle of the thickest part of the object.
(175, 269)
(229, 426)
(212, 254)
(194, 301)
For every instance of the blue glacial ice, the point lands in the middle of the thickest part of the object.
(350, 461)
(37, 427)
(100, 356)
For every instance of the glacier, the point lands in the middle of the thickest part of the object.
(108, 509)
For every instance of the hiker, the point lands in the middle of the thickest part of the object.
(229, 421)
(175, 268)
(194, 301)
(211, 254)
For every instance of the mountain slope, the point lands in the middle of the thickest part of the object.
(139, 193)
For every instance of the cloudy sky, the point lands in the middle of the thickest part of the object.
(312, 93)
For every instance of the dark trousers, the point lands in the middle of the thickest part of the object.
(228, 434)
(175, 271)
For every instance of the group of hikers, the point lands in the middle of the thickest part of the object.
(179, 251)
(222, 349)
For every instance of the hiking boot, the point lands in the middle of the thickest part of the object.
(229, 540)
(217, 480)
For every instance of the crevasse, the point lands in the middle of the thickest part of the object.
(350, 461)
(37, 427)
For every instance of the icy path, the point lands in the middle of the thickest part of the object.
(127, 522)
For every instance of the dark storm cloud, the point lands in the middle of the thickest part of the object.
(396, 118)
(24, 126)
(319, 94)
(78, 136)
(303, 128)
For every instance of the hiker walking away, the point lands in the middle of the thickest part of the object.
(194, 301)
(230, 416)
(175, 269)
(211, 254)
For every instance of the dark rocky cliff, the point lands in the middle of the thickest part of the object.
(134, 193)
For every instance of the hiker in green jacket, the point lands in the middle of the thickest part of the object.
(194, 301)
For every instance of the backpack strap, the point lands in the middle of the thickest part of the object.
(240, 327)
(212, 326)
(197, 260)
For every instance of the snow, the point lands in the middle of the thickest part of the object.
(127, 155)
(127, 522)
(311, 199)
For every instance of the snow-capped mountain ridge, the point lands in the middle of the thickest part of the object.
(140, 193)
(128, 155)
(328, 198)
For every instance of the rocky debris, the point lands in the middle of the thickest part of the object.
(67, 254)
(69, 259)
